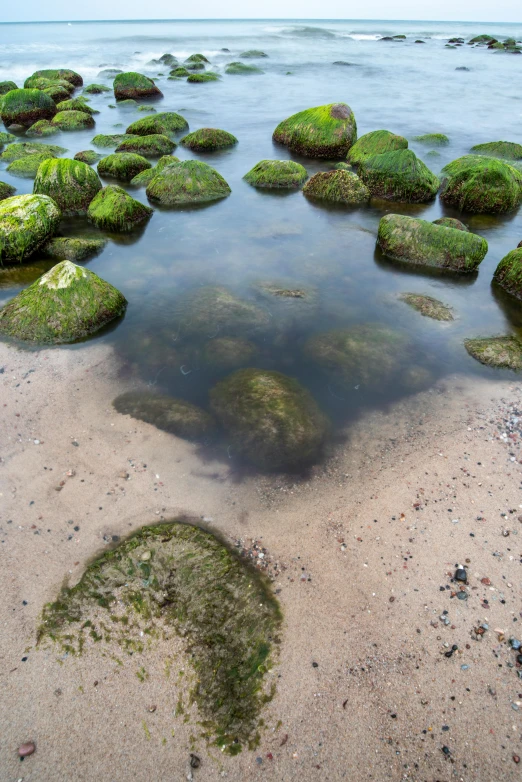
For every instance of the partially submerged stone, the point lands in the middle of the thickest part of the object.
(208, 140)
(229, 352)
(153, 145)
(200, 78)
(73, 120)
(26, 167)
(508, 273)
(195, 66)
(277, 174)
(76, 104)
(95, 89)
(501, 352)
(428, 306)
(57, 92)
(113, 209)
(6, 138)
(167, 413)
(66, 304)
(197, 58)
(399, 176)
(49, 86)
(144, 177)
(26, 223)
(7, 86)
(213, 311)
(122, 165)
(109, 140)
(70, 183)
(476, 183)
(65, 74)
(451, 222)
(322, 132)
(135, 85)
(6, 191)
(41, 129)
(417, 241)
(253, 54)
(507, 150)
(240, 69)
(168, 59)
(179, 73)
(25, 148)
(188, 182)
(162, 122)
(74, 248)
(432, 139)
(375, 143)
(24, 107)
(343, 187)
(270, 418)
(88, 156)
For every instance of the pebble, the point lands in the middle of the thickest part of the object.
(461, 575)
(516, 758)
(145, 556)
(195, 762)
(24, 750)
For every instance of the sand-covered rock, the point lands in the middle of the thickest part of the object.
(70, 183)
(113, 209)
(188, 182)
(476, 183)
(276, 174)
(322, 132)
(26, 223)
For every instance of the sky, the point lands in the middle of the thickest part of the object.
(443, 10)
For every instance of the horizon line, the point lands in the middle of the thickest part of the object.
(256, 19)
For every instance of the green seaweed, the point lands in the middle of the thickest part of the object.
(208, 140)
(200, 78)
(179, 73)
(25, 148)
(154, 145)
(134, 85)
(112, 140)
(432, 139)
(26, 167)
(74, 248)
(42, 128)
(163, 122)
(428, 306)
(190, 181)
(7, 86)
(65, 74)
(6, 191)
(144, 177)
(88, 156)
(276, 174)
(343, 187)
(57, 92)
(24, 107)
(73, 120)
(195, 66)
(451, 222)
(506, 150)
(240, 69)
(26, 223)
(501, 352)
(508, 273)
(322, 132)
(253, 54)
(398, 176)
(197, 58)
(113, 209)
(76, 104)
(375, 143)
(122, 165)
(95, 89)
(476, 183)
(70, 183)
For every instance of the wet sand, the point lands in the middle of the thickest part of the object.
(362, 552)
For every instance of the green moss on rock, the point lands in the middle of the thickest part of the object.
(228, 352)
(167, 413)
(70, 183)
(76, 104)
(197, 58)
(74, 248)
(26, 167)
(122, 165)
(65, 74)
(41, 129)
(111, 140)
(501, 352)
(6, 191)
(451, 222)
(253, 54)
(163, 123)
(428, 306)
(7, 86)
(95, 89)
(240, 69)
(73, 120)
(200, 78)
(277, 174)
(208, 140)
(475, 183)
(25, 148)
(44, 83)
(215, 310)
(399, 176)
(179, 73)
(195, 66)
(26, 223)
(6, 138)
(57, 92)
(153, 145)
(343, 187)
(144, 177)
(420, 242)
(508, 273)
(88, 156)
(322, 132)
(506, 150)
(433, 139)
(113, 209)
(24, 107)
(135, 85)
(168, 59)
(188, 182)
(375, 143)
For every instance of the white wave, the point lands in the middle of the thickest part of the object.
(362, 36)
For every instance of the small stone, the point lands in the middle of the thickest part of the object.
(462, 595)
(461, 575)
(152, 709)
(24, 750)
(145, 556)
(516, 758)
(446, 750)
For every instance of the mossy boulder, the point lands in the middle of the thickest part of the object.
(229, 352)
(399, 176)
(65, 74)
(433, 139)
(508, 273)
(342, 166)
(26, 167)
(6, 138)
(154, 145)
(41, 129)
(188, 182)
(476, 183)
(343, 187)
(65, 305)
(73, 120)
(163, 123)
(113, 209)
(96, 89)
(322, 132)
(451, 222)
(208, 140)
(277, 174)
(179, 73)
(25, 148)
(375, 143)
(168, 59)
(167, 413)
(144, 177)
(24, 107)
(126, 103)
(195, 66)
(74, 248)
(507, 150)
(483, 39)
(200, 78)
(44, 83)
(419, 242)
(240, 69)
(104, 140)
(428, 306)
(213, 311)
(501, 352)
(7, 86)
(6, 191)
(271, 419)
(122, 165)
(26, 223)
(76, 104)
(88, 156)
(197, 58)
(253, 54)
(135, 85)
(70, 183)
(57, 92)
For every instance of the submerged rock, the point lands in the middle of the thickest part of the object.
(153, 145)
(26, 223)
(71, 184)
(508, 273)
(253, 54)
(199, 78)
(122, 165)
(208, 140)
(451, 222)
(26, 148)
(322, 132)
(375, 143)
(271, 419)
(26, 167)
(501, 352)
(66, 304)
(228, 352)
(6, 191)
(74, 248)
(213, 310)
(163, 123)
(164, 412)
(506, 150)
(24, 107)
(73, 120)
(277, 174)
(428, 306)
(195, 66)
(109, 73)
(475, 183)
(144, 177)
(399, 176)
(42, 128)
(240, 69)
(179, 73)
(343, 187)
(433, 139)
(88, 156)
(76, 104)
(95, 89)
(419, 242)
(113, 209)
(188, 182)
(135, 85)
(111, 140)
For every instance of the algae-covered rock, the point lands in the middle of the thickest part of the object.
(188, 182)
(451, 222)
(122, 165)
(428, 306)
(483, 39)
(506, 150)
(7, 86)
(342, 166)
(57, 74)
(76, 104)
(41, 129)
(375, 143)
(26, 167)
(271, 419)
(135, 85)
(153, 145)
(342, 187)
(88, 156)
(64, 305)
(208, 140)
(113, 209)
(70, 183)
(276, 174)
(126, 103)
(179, 73)
(6, 138)
(167, 413)
(433, 139)
(109, 73)
(197, 58)
(398, 176)
(162, 122)
(420, 242)
(112, 140)
(6, 191)
(200, 78)
(195, 66)
(502, 352)
(73, 120)
(95, 89)
(24, 107)
(26, 223)
(322, 132)
(508, 273)
(229, 352)
(168, 59)
(47, 85)
(57, 92)
(476, 183)
(240, 69)
(144, 177)
(74, 248)
(213, 311)
(25, 148)
(253, 54)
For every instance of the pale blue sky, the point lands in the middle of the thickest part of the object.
(461, 10)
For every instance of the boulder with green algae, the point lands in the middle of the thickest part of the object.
(178, 579)
(197, 58)
(135, 85)
(208, 140)
(167, 413)
(322, 132)
(109, 73)
(179, 73)
(122, 165)
(26, 223)
(6, 138)
(212, 311)
(7, 86)
(112, 140)
(342, 166)
(88, 156)
(113, 209)
(195, 66)
(163, 122)
(74, 248)
(508, 273)
(6, 191)
(483, 39)
(277, 174)
(342, 187)
(144, 177)
(25, 148)
(253, 54)
(399, 176)
(56, 92)
(501, 352)
(168, 59)
(199, 78)
(128, 103)
(188, 182)
(44, 84)
(95, 89)
(476, 183)
(433, 139)
(154, 145)
(428, 306)
(70, 183)
(76, 104)
(60, 73)
(271, 419)
(451, 222)
(228, 352)
(240, 69)
(24, 107)
(419, 242)
(26, 167)
(375, 143)
(64, 305)
(506, 150)
(41, 129)
(73, 120)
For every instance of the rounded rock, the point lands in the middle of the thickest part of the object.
(322, 132)
(113, 209)
(26, 223)
(122, 165)
(188, 182)
(70, 183)
(26, 106)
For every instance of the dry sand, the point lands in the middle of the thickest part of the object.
(362, 551)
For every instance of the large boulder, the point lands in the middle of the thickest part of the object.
(26, 223)
(277, 174)
(343, 187)
(508, 273)
(214, 310)
(375, 143)
(501, 352)
(506, 150)
(113, 209)
(71, 184)
(135, 85)
(73, 120)
(122, 165)
(64, 305)
(65, 74)
(208, 140)
(162, 122)
(419, 242)
(167, 413)
(188, 182)
(322, 132)
(24, 107)
(398, 176)
(475, 183)
(154, 145)
(271, 419)
(49, 85)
